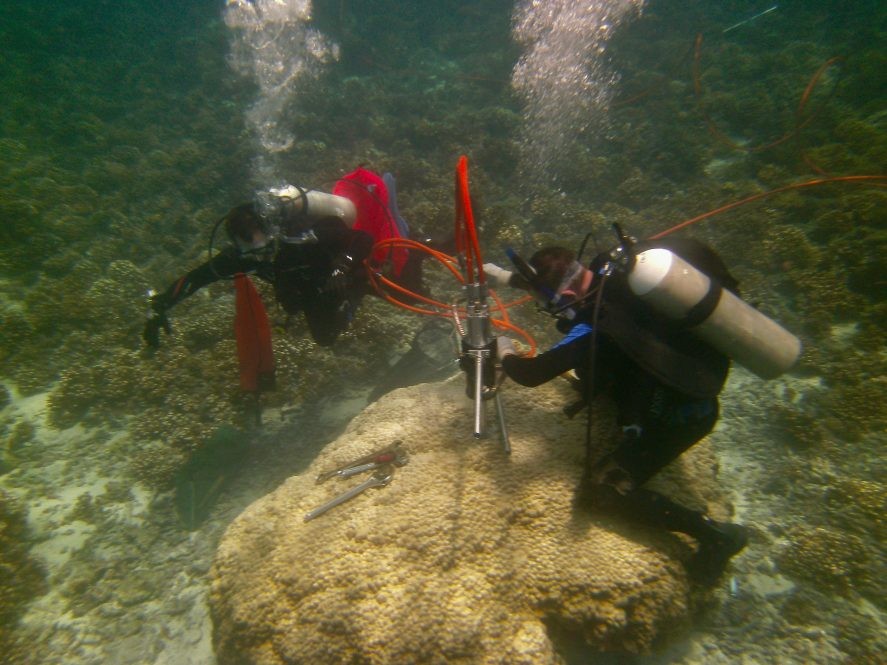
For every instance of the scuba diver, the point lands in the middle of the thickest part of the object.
(310, 246)
(664, 381)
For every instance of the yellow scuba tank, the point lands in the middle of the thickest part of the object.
(678, 290)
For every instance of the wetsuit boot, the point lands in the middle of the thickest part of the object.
(717, 542)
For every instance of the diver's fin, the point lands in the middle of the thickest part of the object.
(402, 227)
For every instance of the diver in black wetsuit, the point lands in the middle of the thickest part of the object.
(316, 269)
(664, 382)
(311, 246)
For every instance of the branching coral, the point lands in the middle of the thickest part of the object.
(15, 330)
(853, 405)
(796, 428)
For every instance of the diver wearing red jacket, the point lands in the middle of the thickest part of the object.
(309, 245)
(322, 276)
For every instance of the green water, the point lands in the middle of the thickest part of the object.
(126, 133)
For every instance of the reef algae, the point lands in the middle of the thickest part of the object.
(22, 578)
(466, 556)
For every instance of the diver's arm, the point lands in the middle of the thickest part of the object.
(500, 277)
(532, 372)
(223, 265)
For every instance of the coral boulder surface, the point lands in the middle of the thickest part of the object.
(468, 555)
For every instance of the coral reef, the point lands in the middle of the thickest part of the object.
(831, 560)
(21, 578)
(465, 555)
(124, 141)
(798, 429)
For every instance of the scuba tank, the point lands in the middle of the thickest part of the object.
(310, 203)
(673, 287)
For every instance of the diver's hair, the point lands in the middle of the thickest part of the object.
(551, 265)
(242, 222)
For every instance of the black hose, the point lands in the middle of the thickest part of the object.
(212, 240)
(589, 381)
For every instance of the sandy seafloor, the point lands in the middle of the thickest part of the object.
(126, 134)
(156, 608)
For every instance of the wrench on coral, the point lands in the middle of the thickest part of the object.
(380, 479)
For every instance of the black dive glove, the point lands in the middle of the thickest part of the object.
(157, 319)
(338, 280)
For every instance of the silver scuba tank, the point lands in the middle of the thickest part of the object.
(678, 290)
(318, 204)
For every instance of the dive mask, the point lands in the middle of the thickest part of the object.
(552, 301)
(574, 270)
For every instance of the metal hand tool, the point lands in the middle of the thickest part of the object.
(383, 462)
(393, 454)
(380, 479)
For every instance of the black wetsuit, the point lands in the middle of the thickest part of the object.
(667, 420)
(664, 382)
(300, 273)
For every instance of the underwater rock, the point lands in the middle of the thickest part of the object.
(467, 555)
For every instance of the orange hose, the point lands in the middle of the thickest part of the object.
(444, 310)
(446, 260)
(499, 306)
(465, 215)
(798, 185)
(376, 277)
(467, 245)
(519, 331)
(799, 124)
(460, 233)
